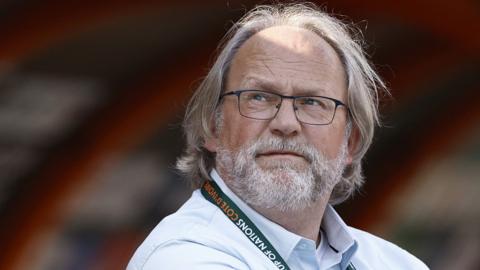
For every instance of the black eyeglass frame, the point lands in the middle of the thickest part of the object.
(238, 92)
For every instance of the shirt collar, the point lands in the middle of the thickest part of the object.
(339, 237)
(337, 233)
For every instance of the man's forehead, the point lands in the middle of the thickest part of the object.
(281, 39)
(291, 47)
(289, 60)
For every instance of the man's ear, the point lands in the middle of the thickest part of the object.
(211, 142)
(353, 141)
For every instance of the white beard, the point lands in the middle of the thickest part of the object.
(282, 185)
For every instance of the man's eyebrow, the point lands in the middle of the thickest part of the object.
(310, 92)
(260, 84)
(269, 85)
(255, 83)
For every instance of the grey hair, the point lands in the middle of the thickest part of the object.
(362, 93)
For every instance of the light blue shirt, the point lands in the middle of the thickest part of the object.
(200, 236)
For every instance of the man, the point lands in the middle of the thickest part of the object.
(276, 133)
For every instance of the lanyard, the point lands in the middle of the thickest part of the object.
(212, 192)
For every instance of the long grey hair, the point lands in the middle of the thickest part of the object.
(363, 83)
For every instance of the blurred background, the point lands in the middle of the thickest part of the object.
(92, 94)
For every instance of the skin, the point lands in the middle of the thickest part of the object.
(289, 61)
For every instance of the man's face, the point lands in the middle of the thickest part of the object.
(288, 61)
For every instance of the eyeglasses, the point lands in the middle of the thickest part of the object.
(262, 105)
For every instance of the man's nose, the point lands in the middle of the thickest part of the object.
(285, 122)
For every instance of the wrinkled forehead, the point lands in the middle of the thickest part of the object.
(282, 52)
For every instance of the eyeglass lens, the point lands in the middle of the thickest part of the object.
(309, 109)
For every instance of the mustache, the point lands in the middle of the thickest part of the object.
(274, 144)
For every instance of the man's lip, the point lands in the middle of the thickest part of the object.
(280, 153)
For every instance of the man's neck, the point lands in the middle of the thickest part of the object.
(305, 222)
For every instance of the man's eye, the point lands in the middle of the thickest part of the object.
(312, 102)
(258, 97)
